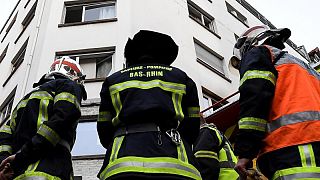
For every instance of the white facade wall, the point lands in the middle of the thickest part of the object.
(167, 16)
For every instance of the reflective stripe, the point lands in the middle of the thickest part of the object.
(253, 123)
(117, 106)
(6, 129)
(49, 134)
(292, 119)
(176, 100)
(33, 167)
(65, 96)
(161, 165)
(40, 95)
(227, 164)
(43, 112)
(6, 148)
(182, 154)
(104, 116)
(115, 148)
(193, 112)
(307, 155)
(167, 86)
(206, 154)
(21, 104)
(255, 74)
(297, 173)
(36, 176)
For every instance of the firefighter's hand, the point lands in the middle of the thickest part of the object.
(7, 161)
(6, 173)
(242, 166)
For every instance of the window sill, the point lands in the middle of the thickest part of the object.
(88, 157)
(87, 22)
(240, 20)
(11, 74)
(213, 70)
(94, 80)
(205, 27)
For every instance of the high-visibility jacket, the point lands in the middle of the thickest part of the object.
(42, 130)
(148, 94)
(279, 103)
(214, 154)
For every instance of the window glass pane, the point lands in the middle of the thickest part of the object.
(104, 67)
(98, 12)
(73, 14)
(6, 110)
(208, 23)
(87, 142)
(209, 58)
(194, 13)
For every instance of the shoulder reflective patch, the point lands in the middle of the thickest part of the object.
(41, 95)
(193, 112)
(167, 86)
(65, 96)
(6, 148)
(255, 74)
(49, 134)
(253, 124)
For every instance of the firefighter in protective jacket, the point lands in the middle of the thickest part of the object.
(214, 154)
(37, 140)
(279, 108)
(149, 114)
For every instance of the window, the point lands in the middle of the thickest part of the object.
(209, 99)
(237, 14)
(87, 141)
(209, 58)
(89, 12)
(96, 63)
(200, 16)
(6, 107)
(19, 57)
(10, 26)
(236, 37)
(4, 53)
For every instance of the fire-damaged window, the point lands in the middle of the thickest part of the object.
(86, 12)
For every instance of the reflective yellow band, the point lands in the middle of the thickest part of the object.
(115, 98)
(193, 112)
(297, 173)
(253, 124)
(176, 100)
(161, 165)
(49, 134)
(104, 116)
(21, 104)
(43, 112)
(6, 148)
(307, 155)
(41, 95)
(32, 167)
(115, 148)
(65, 96)
(255, 74)
(182, 154)
(167, 86)
(206, 154)
(36, 176)
(5, 129)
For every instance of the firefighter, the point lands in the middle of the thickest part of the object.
(214, 154)
(148, 114)
(37, 140)
(279, 108)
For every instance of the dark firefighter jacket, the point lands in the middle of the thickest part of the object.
(42, 131)
(214, 154)
(144, 94)
(279, 110)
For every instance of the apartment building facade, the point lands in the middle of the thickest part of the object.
(94, 33)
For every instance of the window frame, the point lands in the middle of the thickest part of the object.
(203, 14)
(238, 15)
(10, 26)
(9, 100)
(4, 53)
(84, 4)
(92, 51)
(213, 99)
(206, 64)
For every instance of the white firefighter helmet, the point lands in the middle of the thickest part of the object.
(67, 67)
(258, 35)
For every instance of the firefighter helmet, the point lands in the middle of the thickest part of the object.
(258, 35)
(67, 67)
(149, 46)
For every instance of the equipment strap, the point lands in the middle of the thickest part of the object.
(136, 128)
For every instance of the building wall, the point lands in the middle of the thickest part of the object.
(87, 168)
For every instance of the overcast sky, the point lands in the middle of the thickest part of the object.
(301, 17)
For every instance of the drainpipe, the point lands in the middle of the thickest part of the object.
(24, 87)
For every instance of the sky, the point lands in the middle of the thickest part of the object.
(301, 17)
